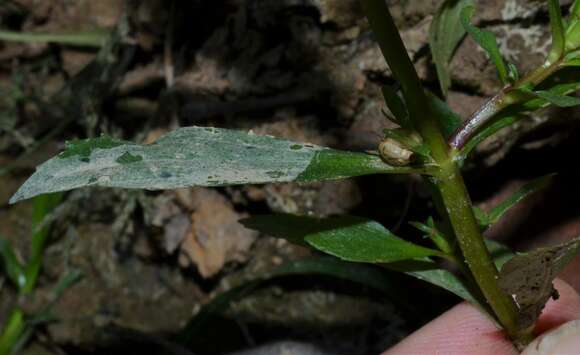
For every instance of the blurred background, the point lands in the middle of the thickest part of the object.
(139, 272)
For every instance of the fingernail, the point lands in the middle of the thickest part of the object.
(564, 340)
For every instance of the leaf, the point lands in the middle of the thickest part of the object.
(448, 119)
(558, 33)
(445, 33)
(349, 238)
(429, 271)
(95, 38)
(11, 332)
(12, 267)
(431, 232)
(525, 191)
(575, 10)
(43, 206)
(397, 106)
(500, 253)
(362, 274)
(513, 73)
(573, 28)
(196, 156)
(515, 113)
(554, 97)
(528, 278)
(487, 41)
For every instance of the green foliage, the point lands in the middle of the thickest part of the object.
(429, 271)
(560, 85)
(43, 206)
(346, 237)
(12, 331)
(445, 33)
(201, 156)
(18, 328)
(448, 119)
(528, 189)
(558, 35)
(573, 28)
(487, 41)
(397, 106)
(196, 156)
(432, 233)
(10, 264)
(554, 97)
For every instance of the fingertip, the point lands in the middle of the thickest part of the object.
(461, 330)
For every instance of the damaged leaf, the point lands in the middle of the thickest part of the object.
(347, 237)
(196, 156)
(528, 278)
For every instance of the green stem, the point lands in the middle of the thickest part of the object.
(402, 68)
(460, 212)
(448, 181)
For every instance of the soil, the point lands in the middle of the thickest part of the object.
(307, 70)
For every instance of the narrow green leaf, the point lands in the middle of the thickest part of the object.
(487, 41)
(12, 331)
(526, 190)
(431, 231)
(43, 206)
(575, 10)
(362, 274)
(513, 73)
(448, 119)
(12, 267)
(397, 106)
(528, 278)
(573, 28)
(65, 282)
(445, 33)
(429, 271)
(558, 33)
(555, 98)
(196, 156)
(515, 113)
(349, 238)
(572, 62)
(94, 38)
